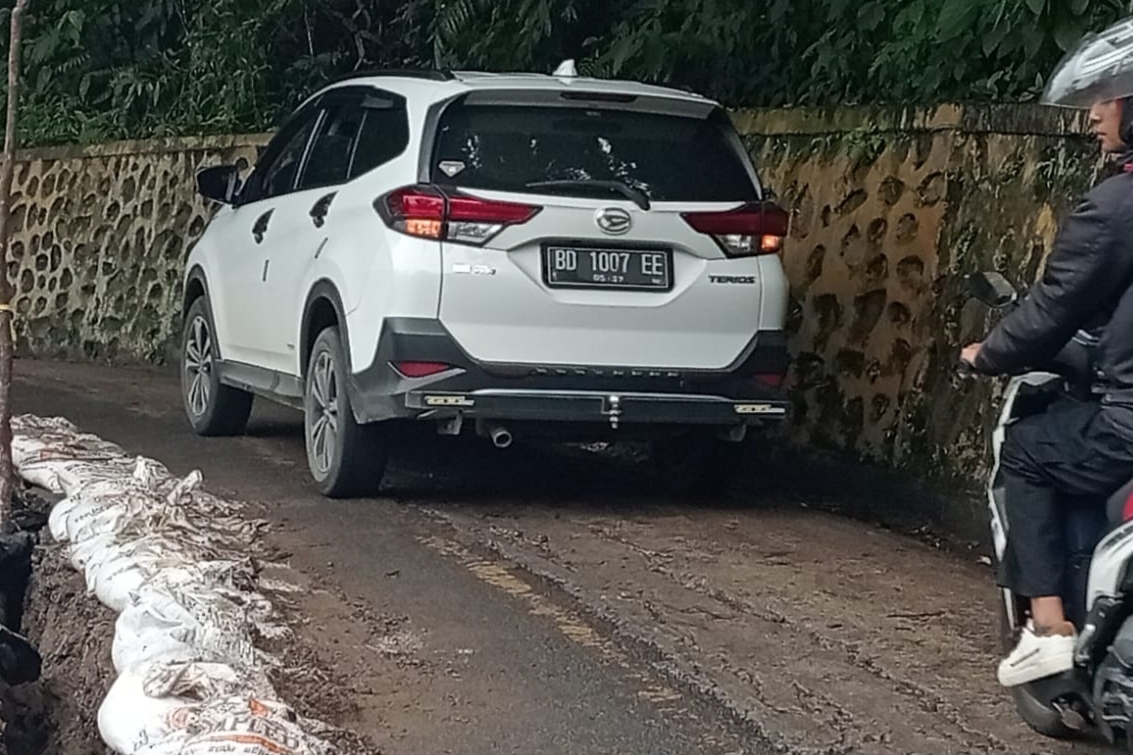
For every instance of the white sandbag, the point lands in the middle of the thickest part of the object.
(174, 627)
(120, 570)
(142, 636)
(173, 561)
(102, 528)
(254, 735)
(26, 448)
(206, 681)
(230, 574)
(240, 727)
(116, 578)
(111, 520)
(233, 579)
(57, 520)
(87, 509)
(230, 582)
(63, 467)
(80, 554)
(106, 511)
(42, 475)
(82, 477)
(150, 473)
(114, 584)
(156, 549)
(128, 719)
(166, 702)
(105, 484)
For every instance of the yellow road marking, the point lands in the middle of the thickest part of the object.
(568, 622)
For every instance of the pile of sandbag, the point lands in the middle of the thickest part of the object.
(171, 561)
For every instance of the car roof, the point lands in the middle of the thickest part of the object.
(444, 84)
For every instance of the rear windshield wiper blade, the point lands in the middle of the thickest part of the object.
(638, 197)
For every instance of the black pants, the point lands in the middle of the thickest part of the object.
(1078, 453)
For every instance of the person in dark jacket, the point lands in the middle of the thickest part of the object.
(1081, 448)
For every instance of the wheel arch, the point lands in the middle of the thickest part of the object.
(322, 309)
(196, 286)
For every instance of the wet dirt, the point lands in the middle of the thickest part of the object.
(557, 602)
(74, 633)
(58, 714)
(312, 677)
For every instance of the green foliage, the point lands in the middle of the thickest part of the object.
(959, 49)
(111, 69)
(775, 52)
(107, 69)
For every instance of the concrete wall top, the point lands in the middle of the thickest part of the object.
(133, 147)
(998, 119)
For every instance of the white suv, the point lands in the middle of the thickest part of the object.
(511, 254)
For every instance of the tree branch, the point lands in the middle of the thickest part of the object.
(7, 171)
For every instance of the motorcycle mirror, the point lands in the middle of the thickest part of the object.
(992, 289)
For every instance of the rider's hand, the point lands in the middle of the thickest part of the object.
(970, 353)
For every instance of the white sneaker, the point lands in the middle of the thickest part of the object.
(1039, 655)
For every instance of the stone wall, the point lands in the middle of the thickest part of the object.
(892, 208)
(99, 237)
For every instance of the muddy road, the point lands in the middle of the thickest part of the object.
(549, 601)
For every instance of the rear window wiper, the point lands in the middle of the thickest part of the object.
(637, 196)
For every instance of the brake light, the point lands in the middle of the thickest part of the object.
(772, 379)
(753, 229)
(429, 213)
(421, 369)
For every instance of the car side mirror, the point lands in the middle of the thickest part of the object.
(220, 183)
(992, 289)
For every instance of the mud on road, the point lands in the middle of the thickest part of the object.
(548, 601)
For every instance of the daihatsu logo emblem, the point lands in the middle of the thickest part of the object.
(614, 221)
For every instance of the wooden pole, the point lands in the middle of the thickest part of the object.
(7, 171)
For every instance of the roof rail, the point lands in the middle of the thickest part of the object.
(430, 74)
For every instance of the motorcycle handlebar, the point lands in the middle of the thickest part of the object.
(966, 369)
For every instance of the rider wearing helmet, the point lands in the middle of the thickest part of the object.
(1080, 448)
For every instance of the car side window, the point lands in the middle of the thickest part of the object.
(328, 162)
(280, 176)
(384, 134)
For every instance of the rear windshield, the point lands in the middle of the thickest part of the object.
(669, 157)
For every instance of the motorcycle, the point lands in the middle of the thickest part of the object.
(1096, 696)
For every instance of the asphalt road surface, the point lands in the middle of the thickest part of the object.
(551, 601)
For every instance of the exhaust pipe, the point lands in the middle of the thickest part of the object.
(501, 438)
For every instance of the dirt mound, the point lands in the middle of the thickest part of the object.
(58, 714)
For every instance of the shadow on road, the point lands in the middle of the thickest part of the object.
(469, 471)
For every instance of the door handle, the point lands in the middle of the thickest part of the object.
(320, 209)
(261, 226)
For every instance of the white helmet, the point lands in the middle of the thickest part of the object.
(1100, 68)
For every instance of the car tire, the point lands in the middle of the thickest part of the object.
(213, 409)
(697, 463)
(346, 459)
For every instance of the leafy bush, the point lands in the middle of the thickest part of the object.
(107, 69)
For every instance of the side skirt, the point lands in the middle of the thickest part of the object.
(269, 384)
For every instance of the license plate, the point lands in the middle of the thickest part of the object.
(640, 269)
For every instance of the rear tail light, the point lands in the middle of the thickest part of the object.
(421, 369)
(772, 379)
(429, 213)
(754, 229)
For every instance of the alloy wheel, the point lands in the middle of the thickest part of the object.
(322, 418)
(198, 367)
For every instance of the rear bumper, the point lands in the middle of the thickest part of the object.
(613, 408)
(613, 396)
